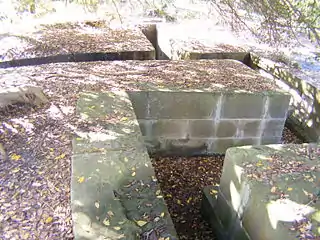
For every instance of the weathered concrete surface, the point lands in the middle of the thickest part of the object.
(180, 41)
(272, 191)
(114, 192)
(209, 207)
(197, 75)
(305, 103)
(208, 122)
(24, 94)
(71, 42)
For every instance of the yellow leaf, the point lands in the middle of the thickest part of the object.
(273, 189)
(162, 214)
(117, 228)
(80, 179)
(133, 174)
(15, 157)
(259, 164)
(49, 220)
(158, 192)
(169, 195)
(213, 192)
(60, 156)
(179, 202)
(141, 223)
(123, 119)
(106, 222)
(290, 189)
(189, 199)
(51, 149)
(15, 170)
(97, 204)
(126, 159)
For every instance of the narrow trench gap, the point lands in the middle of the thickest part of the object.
(182, 180)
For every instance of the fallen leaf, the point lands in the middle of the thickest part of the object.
(15, 157)
(49, 220)
(123, 119)
(259, 164)
(189, 200)
(126, 159)
(162, 214)
(273, 189)
(133, 174)
(15, 170)
(60, 156)
(141, 223)
(117, 228)
(97, 204)
(106, 222)
(213, 192)
(80, 179)
(290, 189)
(158, 192)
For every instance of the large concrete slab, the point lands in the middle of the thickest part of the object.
(195, 123)
(184, 41)
(114, 191)
(197, 75)
(305, 102)
(69, 42)
(270, 191)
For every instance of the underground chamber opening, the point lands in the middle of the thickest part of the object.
(182, 180)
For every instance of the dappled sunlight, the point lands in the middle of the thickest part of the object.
(286, 210)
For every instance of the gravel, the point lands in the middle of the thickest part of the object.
(182, 180)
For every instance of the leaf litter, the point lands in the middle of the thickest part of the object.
(35, 179)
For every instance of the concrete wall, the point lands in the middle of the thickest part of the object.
(192, 123)
(178, 41)
(304, 114)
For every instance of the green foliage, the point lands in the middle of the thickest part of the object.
(279, 20)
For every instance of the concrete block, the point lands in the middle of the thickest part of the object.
(249, 128)
(220, 145)
(278, 105)
(202, 128)
(178, 41)
(242, 105)
(221, 216)
(169, 128)
(139, 100)
(272, 128)
(270, 140)
(226, 128)
(208, 204)
(183, 105)
(222, 53)
(250, 181)
(246, 141)
(145, 127)
(102, 43)
(177, 147)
